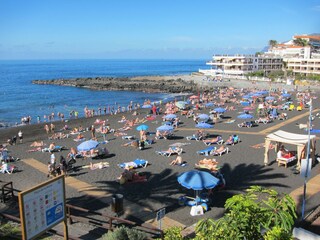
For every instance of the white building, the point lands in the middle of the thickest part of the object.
(242, 64)
(299, 59)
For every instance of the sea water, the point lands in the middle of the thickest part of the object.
(20, 98)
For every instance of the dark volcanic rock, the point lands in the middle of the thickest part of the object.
(125, 84)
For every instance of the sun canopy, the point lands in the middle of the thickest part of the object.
(290, 138)
(299, 140)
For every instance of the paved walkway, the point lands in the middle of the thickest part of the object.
(132, 209)
(313, 187)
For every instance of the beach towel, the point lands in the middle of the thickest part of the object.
(134, 164)
(95, 166)
(79, 140)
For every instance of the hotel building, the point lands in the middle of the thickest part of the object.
(299, 59)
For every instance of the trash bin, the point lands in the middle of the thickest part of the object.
(117, 203)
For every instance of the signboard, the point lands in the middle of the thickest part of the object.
(42, 207)
(161, 213)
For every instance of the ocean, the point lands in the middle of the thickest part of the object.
(20, 98)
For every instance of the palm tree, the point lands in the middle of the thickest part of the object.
(272, 43)
(301, 42)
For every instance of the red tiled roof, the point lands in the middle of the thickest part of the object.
(308, 37)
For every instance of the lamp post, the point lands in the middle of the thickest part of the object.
(306, 173)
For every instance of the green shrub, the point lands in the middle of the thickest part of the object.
(124, 233)
(8, 230)
(277, 233)
(173, 233)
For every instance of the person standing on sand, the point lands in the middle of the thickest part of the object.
(52, 127)
(46, 127)
(20, 135)
(93, 132)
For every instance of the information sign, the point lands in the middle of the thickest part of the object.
(161, 213)
(42, 207)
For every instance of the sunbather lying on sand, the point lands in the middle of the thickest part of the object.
(210, 164)
(37, 144)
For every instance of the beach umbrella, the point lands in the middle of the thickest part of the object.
(245, 116)
(263, 92)
(203, 116)
(269, 98)
(315, 131)
(209, 104)
(198, 180)
(170, 116)
(256, 95)
(194, 97)
(246, 97)
(88, 145)
(219, 110)
(146, 106)
(286, 95)
(142, 127)
(204, 125)
(164, 128)
(181, 104)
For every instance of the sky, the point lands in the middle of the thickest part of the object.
(149, 29)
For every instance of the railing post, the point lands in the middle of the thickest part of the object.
(110, 224)
(69, 215)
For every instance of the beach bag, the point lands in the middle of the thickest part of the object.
(196, 210)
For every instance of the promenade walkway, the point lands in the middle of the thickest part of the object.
(131, 209)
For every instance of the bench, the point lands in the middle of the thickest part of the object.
(284, 161)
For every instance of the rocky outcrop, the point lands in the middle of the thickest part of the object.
(126, 84)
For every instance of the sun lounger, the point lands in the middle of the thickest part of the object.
(134, 164)
(245, 124)
(207, 151)
(220, 152)
(263, 120)
(194, 137)
(235, 140)
(128, 137)
(171, 150)
(56, 149)
(217, 140)
(284, 161)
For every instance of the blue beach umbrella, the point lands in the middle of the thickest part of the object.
(269, 98)
(219, 110)
(170, 116)
(245, 116)
(256, 95)
(246, 97)
(204, 125)
(164, 128)
(181, 104)
(265, 92)
(142, 127)
(88, 145)
(197, 180)
(209, 104)
(146, 106)
(315, 131)
(203, 116)
(286, 95)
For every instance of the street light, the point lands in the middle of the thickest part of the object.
(306, 172)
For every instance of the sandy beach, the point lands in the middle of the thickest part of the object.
(242, 166)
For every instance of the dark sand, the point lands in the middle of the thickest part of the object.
(242, 167)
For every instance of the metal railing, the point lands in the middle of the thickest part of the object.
(107, 222)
